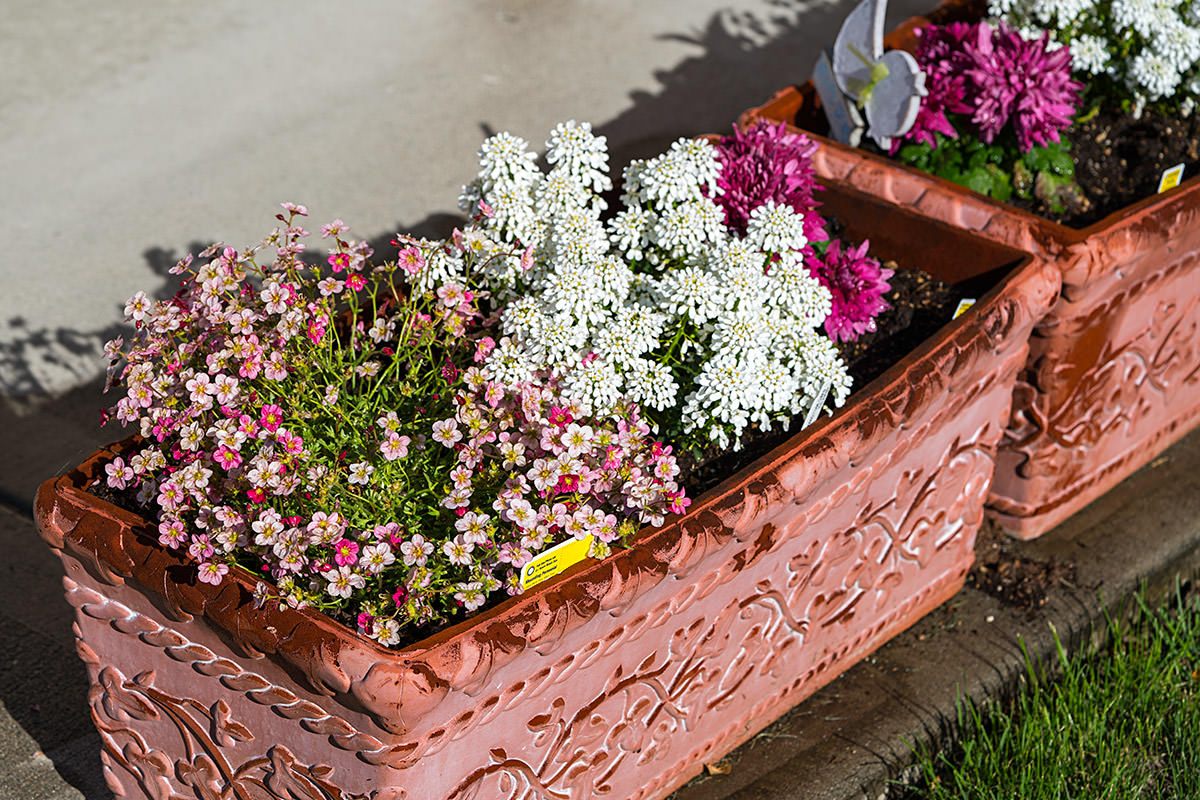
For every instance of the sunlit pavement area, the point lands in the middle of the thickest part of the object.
(133, 133)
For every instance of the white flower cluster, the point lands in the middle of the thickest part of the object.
(661, 294)
(1151, 47)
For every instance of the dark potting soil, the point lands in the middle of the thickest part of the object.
(1119, 159)
(920, 305)
(1013, 578)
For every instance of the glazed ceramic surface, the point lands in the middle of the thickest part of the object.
(1114, 369)
(618, 678)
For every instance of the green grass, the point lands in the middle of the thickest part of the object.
(1121, 723)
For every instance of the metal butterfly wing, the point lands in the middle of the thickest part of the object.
(888, 87)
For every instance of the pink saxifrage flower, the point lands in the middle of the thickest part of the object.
(411, 260)
(119, 474)
(212, 572)
(345, 552)
(271, 417)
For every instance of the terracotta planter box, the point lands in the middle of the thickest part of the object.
(619, 678)
(1114, 369)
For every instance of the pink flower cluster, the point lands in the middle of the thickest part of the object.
(537, 473)
(857, 283)
(231, 383)
(765, 163)
(525, 476)
(289, 418)
(996, 78)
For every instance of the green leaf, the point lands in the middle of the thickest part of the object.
(917, 155)
(988, 179)
(1054, 158)
(1001, 183)
(949, 162)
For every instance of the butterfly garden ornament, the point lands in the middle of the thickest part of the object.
(885, 88)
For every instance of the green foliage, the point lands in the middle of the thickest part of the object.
(999, 170)
(1121, 724)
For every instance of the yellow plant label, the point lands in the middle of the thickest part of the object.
(963, 305)
(1171, 178)
(553, 561)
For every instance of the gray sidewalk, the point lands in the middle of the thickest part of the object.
(132, 133)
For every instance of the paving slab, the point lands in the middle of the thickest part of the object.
(48, 747)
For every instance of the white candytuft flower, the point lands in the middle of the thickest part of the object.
(776, 228)
(1150, 48)
(573, 149)
(1155, 74)
(663, 304)
(1090, 53)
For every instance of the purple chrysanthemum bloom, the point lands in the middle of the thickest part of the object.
(1017, 81)
(765, 163)
(857, 283)
(940, 56)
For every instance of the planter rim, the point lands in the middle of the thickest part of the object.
(336, 659)
(791, 98)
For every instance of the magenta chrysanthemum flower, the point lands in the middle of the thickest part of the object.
(1017, 81)
(940, 56)
(857, 283)
(765, 163)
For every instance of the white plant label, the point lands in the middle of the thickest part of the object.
(818, 405)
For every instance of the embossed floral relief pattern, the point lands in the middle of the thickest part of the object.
(1099, 400)
(195, 763)
(178, 747)
(754, 646)
(799, 618)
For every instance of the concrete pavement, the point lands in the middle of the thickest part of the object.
(131, 133)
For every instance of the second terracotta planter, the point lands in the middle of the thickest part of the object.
(618, 678)
(1113, 376)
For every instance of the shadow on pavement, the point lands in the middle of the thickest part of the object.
(741, 59)
(43, 684)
